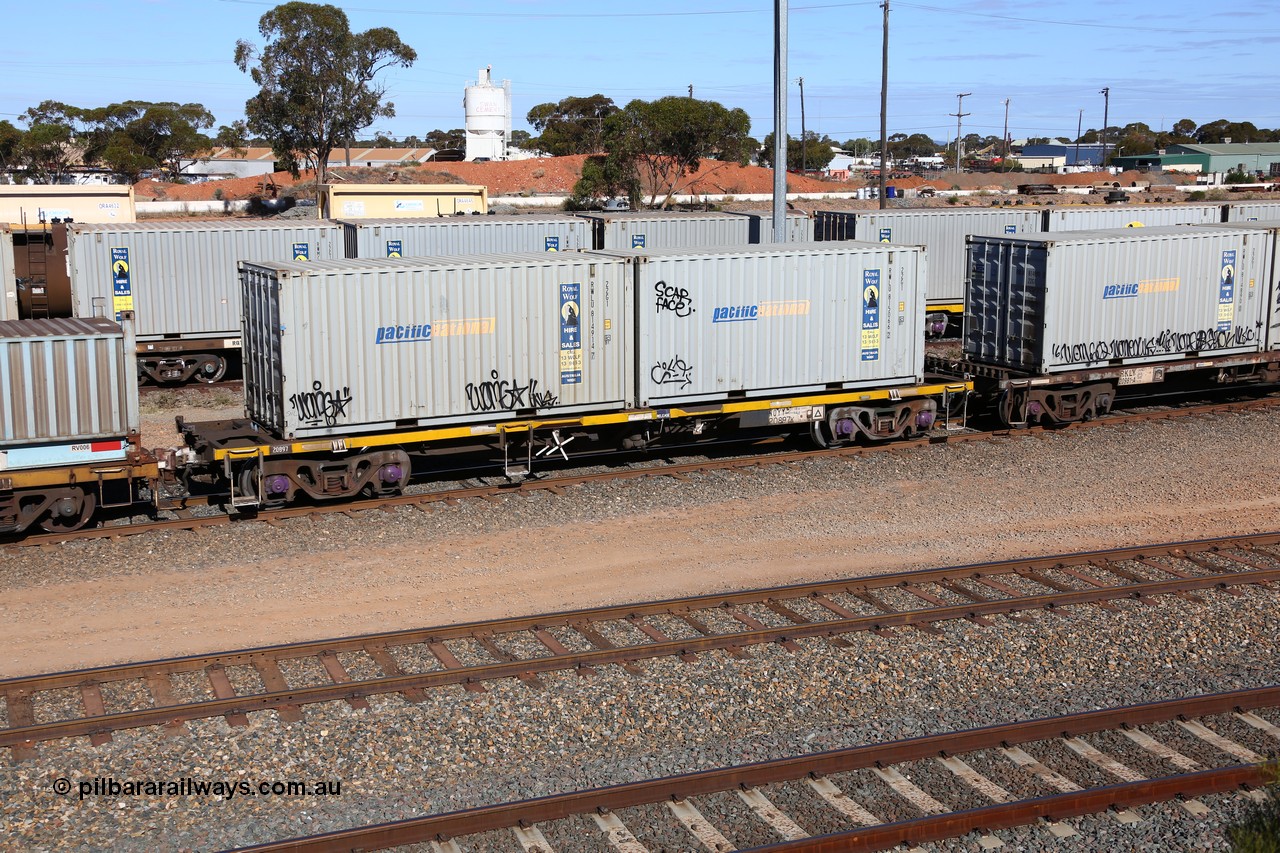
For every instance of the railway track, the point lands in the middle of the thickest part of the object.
(811, 801)
(285, 678)
(185, 519)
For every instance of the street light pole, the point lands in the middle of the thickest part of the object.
(779, 121)
(804, 160)
(884, 107)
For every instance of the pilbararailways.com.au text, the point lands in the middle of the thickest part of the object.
(225, 789)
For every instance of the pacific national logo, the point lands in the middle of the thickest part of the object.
(748, 313)
(403, 334)
(1131, 290)
(418, 332)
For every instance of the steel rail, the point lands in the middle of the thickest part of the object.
(710, 601)
(25, 736)
(422, 500)
(558, 807)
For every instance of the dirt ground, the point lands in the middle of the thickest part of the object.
(187, 593)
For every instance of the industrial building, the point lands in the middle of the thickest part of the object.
(1252, 158)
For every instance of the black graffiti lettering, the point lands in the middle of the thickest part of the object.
(672, 298)
(496, 394)
(674, 371)
(318, 405)
(1165, 343)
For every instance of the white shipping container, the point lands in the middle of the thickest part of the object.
(70, 380)
(180, 278)
(767, 320)
(464, 235)
(656, 229)
(362, 345)
(1084, 299)
(1252, 211)
(941, 231)
(9, 281)
(1102, 216)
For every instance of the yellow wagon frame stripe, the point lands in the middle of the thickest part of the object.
(425, 436)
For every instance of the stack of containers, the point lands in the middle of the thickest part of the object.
(68, 392)
(180, 278)
(1083, 299)
(769, 320)
(941, 231)
(464, 235)
(363, 345)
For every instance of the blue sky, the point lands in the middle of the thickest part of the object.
(1162, 61)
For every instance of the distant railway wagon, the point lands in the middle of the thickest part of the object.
(1086, 217)
(68, 421)
(472, 235)
(1059, 323)
(942, 231)
(181, 281)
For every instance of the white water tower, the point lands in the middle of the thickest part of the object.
(488, 117)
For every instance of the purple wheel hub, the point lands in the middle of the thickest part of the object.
(391, 474)
(276, 484)
(924, 420)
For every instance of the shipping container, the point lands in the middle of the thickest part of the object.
(1099, 216)
(941, 231)
(465, 235)
(799, 226)
(68, 391)
(657, 229)
(180, 278)
(9, 283)
(32, 204)
(1251, 211)
(1268, 281)
(1088, 299)
(415, 201)
(749, 321)
(364, 345)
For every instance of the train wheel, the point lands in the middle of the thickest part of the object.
(69, 512)
(210, 369)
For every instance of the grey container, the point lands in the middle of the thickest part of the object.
(365, 345)
(799, 226)
(1268, 280)
(667, 230)
(1086, 299)
(942, 232)
(1251, 211)
(9, 283)
(70, 380)
(181, 278)
(1100, 216)
(752, 321)
(464, 235)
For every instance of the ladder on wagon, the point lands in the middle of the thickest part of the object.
(36, 281)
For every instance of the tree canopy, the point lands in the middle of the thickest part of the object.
(572, 126)
(815, 153)
(316, 81)
(665, 140)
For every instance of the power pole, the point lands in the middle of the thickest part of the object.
(960, 139)
(804, 159)
(779, 121)
(1106, 106)
(884, 107)
(1006, 133)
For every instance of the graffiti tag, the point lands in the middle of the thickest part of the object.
(674, 371)
(672, 298)
(318, 405)
(497, 394)
(1168, 341)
